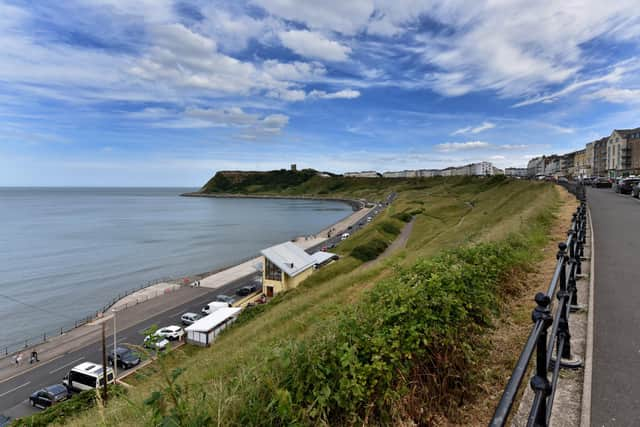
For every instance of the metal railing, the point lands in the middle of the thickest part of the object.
(7, 349)
(550, 329)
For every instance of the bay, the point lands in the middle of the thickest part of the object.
(65, 252)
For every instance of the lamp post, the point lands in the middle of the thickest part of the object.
(115, 354)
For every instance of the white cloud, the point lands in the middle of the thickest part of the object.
(314, 45)
(616, 95)
(461, 146)
(346, 17)
(477, 129)
(342, 94)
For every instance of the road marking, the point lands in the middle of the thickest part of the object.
(175, 314)
(45, 362)
(15, 388)
(64, 366)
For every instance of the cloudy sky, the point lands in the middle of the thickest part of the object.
(162, 92)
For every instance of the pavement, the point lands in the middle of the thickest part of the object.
(615, 393)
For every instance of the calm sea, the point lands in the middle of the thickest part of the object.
(65, 252)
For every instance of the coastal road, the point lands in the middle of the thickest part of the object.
(14, 392)
(615, 392)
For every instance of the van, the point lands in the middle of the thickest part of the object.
(213, 306)
(87, 376)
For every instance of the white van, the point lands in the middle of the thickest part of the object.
(213, 306)
(87, 376)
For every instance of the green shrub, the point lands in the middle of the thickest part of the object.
(390, 228)
(419, 332)
(403, 216)
(64, 410)
(370, 250)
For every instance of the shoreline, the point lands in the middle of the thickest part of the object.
(356, 204)
(305, 241)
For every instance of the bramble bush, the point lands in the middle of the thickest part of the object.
(370, 250)
(403, 216)
(418, 333)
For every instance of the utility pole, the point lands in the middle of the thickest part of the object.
(115, 354)
(104, 363)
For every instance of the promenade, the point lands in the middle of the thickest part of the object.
(615, 396)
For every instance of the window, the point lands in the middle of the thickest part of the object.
(81, 378)
(272, 272)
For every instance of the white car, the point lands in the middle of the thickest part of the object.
(160, 344)
(345, 236)
(170, 332)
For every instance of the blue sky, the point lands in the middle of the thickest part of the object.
(162, 92)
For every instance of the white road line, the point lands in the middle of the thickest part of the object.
(64, 366)
(15, 388)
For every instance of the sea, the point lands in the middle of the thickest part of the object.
(66, 252)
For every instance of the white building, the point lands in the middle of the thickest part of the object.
(363, 174)
(520, 172)
(204, 331)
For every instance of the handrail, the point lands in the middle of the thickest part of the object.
(550, 328)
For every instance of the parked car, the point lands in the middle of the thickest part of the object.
(189, 318)
(87, 376)
(601, 182)
(625, 186)
(156, 343)
(247, 290)
(126, 358)
(170, 332)
(345, 236)
(48, 396)
(213, 306)
(225, 298)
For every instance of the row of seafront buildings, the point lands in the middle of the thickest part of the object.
(480, 169)
(613, 156)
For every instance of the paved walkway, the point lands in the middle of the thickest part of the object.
(615, 396)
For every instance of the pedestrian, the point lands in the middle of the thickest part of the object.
(19, 359)
(15, 359)
(34, 356)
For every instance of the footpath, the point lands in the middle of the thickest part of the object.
(58, 346)
(615, 396)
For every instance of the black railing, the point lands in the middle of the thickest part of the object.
(550, 328)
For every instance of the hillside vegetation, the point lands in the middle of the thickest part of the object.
(397, 340)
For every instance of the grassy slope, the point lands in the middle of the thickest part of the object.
(455, 211)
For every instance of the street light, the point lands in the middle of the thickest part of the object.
(115, 354)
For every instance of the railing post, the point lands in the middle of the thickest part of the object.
(540, 383)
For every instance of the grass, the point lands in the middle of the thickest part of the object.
(449, 213)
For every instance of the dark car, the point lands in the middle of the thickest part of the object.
(601, 182)
(247, 290)
(225, 298)
(625, 186)
(49, 396)
(127, 358)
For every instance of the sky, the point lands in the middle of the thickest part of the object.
(165, 93)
